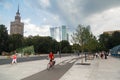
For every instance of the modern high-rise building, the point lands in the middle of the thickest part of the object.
(17, 27)
(52, 32)
(55, 33)
(64, 33)
(59, 33)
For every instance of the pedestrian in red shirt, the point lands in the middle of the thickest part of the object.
(14, 58)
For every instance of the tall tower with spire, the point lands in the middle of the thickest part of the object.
(17, 27)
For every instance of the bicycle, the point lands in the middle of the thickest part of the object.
(50, 66)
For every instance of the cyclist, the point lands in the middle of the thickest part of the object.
(51, 57)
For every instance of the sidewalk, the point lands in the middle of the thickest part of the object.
(25, 69)
(100, 69)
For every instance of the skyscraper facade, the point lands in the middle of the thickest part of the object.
(17, 27)
(59, 33)
(64, 33)
(55, 33)
(52, 32)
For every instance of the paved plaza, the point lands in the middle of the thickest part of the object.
(99, 69)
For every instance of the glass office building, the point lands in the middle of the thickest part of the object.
(64, 33)
(59, 33)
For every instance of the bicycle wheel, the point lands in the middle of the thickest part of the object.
(48, 66)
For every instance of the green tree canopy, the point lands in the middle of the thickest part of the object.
(44, 44)
(108, 41)
(65, 46)
(84, 38)
(3, 38)
(15, 41)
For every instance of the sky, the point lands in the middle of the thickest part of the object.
(39, 15)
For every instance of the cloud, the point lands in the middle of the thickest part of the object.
(44, 3)
(1, 2)
(0, 17)
(74, 12)
(5, 4)
(39, 4)
(96, 6)
(102, 15)
(107, 20)
(96, 13)
(32, 29)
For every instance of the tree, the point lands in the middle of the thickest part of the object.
(65, 46)
(85, 39)
(15, 41)
(26, 50)
(44, 44)
(116, 38)
(92, 45)
(104, 41)
(81, 36)
(108, 41)
(75, 46)
(3, 38)
(28, 41)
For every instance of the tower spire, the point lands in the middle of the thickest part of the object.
(18, 10)
(17, 17)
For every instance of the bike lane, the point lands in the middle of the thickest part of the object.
(54, 74)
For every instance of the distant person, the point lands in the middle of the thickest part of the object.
(106, 55)
(14, 58)
(102, 55)
(96, 54)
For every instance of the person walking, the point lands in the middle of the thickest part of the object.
(102, 55)
(96, 54)
(14, 58)
(106, 55)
